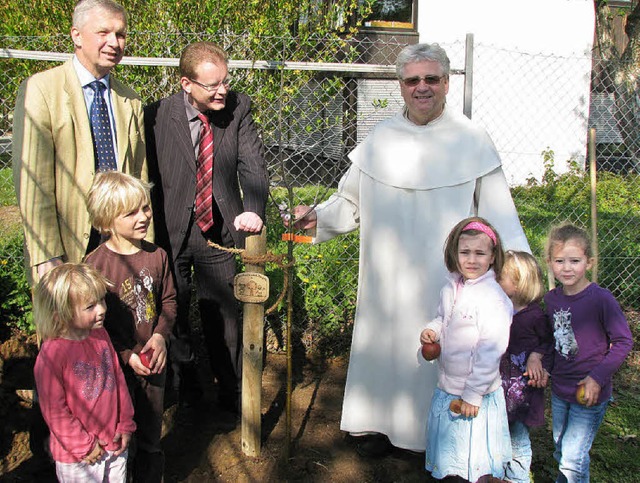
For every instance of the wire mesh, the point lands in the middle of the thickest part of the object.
(315, 99)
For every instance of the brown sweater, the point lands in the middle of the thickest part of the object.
(142, 301)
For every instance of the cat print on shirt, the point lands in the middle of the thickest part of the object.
(566, 344)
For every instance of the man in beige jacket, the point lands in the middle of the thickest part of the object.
(53, 144)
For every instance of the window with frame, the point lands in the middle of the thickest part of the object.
(393, 14)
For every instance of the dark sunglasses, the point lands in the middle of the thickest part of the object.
(430, 80)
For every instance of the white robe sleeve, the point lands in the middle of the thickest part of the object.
(494, 202)
(340, 214)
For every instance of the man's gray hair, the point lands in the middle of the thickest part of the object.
(83, 7)
(421, 52)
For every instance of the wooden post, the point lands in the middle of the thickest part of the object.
(252, 342)
(594, 204)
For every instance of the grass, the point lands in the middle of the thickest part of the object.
(7, 193)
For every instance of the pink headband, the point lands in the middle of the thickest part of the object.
(476, 225)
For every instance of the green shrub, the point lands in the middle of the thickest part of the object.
(325, 279)
(567, 198)
(15, 304)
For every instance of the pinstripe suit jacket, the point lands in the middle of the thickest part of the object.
(239, 173)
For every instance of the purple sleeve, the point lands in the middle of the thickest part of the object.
(620, 340)
(542, 329)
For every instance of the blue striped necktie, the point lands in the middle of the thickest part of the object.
(101, 130)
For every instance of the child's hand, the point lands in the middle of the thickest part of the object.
(537, 375)
(469, 410)
(591, 391)
(138, 367)
(539, 383)
(534, 366)
(124, 439)
(96, 453)
(159, 358)
(427, 336)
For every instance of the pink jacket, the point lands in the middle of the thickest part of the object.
(472, 326)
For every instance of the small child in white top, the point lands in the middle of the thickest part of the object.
(472, 327)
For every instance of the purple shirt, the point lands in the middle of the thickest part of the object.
(592, 338)
(530, 332)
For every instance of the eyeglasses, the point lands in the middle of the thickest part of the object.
(213, 87)
(430, 80)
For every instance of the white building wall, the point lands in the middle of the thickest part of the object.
(531, 79)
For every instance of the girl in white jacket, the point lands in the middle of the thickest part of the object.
(472, 328)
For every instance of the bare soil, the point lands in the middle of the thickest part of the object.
(204, 444)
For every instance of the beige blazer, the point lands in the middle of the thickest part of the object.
(53, 159)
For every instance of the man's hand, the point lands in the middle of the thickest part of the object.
(249, 222)
(304, 218)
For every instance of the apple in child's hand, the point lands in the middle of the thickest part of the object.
(430, 350)
(456, 406)
(580, 395)
(145, 358)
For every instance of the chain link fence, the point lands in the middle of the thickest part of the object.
(315, 99)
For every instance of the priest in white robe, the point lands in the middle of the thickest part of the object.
(411, 180)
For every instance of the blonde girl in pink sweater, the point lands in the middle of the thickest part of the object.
(82, 392)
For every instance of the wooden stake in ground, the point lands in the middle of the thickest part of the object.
(594, 204)
(252, 288)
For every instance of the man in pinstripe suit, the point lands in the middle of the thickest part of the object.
(240, 190)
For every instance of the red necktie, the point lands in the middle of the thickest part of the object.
(204, 177)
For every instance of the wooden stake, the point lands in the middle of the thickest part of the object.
(252, 355)
(594, 204)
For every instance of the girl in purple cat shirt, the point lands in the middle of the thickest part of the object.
(592, 339)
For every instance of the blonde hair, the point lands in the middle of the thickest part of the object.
(113, 194)
(451, 245)
(60, 291)
(524, 271)
(561, 234)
